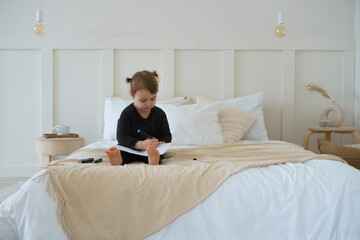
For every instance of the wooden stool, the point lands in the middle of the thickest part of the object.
(328, 131)
(49, 147)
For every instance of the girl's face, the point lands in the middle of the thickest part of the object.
(144, 100)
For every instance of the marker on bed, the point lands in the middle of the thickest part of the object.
(97, 161)
(86, 160)
(145, 134)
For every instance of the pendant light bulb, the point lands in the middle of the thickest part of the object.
(39, 27)
(280, 30)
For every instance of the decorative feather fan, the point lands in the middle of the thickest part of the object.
(311, 87)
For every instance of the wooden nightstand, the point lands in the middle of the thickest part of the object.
(328, 131)
(49, 147)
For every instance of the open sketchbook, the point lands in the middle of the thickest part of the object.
(161, 148)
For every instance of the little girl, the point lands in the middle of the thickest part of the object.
(144, 115)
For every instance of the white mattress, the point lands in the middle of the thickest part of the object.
(318, 199)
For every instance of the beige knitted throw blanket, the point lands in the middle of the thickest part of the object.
(99, 201)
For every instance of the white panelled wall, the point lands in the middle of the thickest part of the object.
(217, 49)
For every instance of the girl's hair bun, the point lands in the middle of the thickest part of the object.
(143, 80)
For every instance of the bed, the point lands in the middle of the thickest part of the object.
(224, 180)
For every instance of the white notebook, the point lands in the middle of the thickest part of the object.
(162, 148)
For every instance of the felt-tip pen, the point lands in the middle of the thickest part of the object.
(97, 161)
(86, 160)
(145, 134)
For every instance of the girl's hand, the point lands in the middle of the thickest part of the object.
(143, 144)
(154, 142)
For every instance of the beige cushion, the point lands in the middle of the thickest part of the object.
(234, 123)
(350, 154)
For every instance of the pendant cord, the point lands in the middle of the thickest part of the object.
(39, 4)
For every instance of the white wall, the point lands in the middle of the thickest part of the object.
(216, 49)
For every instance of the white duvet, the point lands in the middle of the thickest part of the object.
(318, 199)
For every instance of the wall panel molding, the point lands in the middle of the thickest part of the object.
(348, 93)
(107, 76)
(288, 111)
(228, 81)
(357, 85)
(179, 43)
(107, 73)
(47, 98)
(167, 83)
(357, 67)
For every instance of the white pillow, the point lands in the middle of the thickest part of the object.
(194, 124)
(234, 122)
(174, 100)
(252, 104)
(113, 109)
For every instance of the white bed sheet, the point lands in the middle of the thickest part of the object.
(318, 199)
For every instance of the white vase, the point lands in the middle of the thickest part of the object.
(340, 114)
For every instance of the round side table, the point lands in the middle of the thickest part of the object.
(49, 147)
(328, 131)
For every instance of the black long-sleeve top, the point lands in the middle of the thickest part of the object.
(130, 121)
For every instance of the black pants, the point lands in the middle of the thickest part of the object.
(129, 158)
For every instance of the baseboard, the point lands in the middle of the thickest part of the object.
(18, 171)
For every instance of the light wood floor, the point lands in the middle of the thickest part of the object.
(6, 182)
